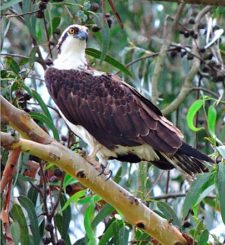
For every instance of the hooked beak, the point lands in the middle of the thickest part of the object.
(82, 35)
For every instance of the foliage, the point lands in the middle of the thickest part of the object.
(46, 201)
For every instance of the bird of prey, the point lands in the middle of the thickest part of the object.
(109, 115)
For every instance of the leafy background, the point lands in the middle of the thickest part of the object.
(49, 206)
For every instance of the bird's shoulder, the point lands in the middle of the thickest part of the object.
(99, 84)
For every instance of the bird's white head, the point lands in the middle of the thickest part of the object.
(71, 47)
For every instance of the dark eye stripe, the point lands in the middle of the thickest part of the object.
(62, 40)
(76, 30)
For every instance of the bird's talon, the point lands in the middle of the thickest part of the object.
(109, 175)
(105, 171)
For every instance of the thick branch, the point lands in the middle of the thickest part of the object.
(134, 211)
(203, 2)
(22, 122)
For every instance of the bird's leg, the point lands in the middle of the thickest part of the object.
(91, 157)
(103, 167)
(105, 170)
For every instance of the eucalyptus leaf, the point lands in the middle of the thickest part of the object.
(12, 65)
(195, 192)
(221, 150)
(111, 230)
(102, 214)
(9, 4)
(19, 217)
(74, 199)
(88, 218)
(44, 119)
(29, 206)
(220, 181)
(97, 54)
(169, 213)
(193, 110)
(203, 238)
(211, 120)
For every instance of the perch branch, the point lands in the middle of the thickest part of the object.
(22, 122)
(134, 211)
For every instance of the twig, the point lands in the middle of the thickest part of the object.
(154, 183)
(167, 36)
(15, 55)
(47, 36)
(167, 182)
(207, 91)
(145, 57)
(18, 15)
(173, 196)
(58, 199)
(41, 60)
(203, 2)
(187, 86)
(168, 196)
(116, 13)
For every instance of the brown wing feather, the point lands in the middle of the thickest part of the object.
(112, 111)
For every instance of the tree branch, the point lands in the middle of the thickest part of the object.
(134, 211)
(187, 86)
(22, 122)
(203, 2)
(167, 36)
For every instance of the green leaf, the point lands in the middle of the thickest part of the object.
(211, 119)
(105, 211)
(15, 229)
(12, 65)
(32, 195)
(220, 181)
(123, 236)
(29, 20)
(97, 54)
(88, 218)
(32, 58)
(68, 180)
(221, 150)
(111, 230)
(168, 213)
(66, 217)
(9, 4)
(195, 107)
(74, 198)
(55, 23)
(195, 192)
(40, 101)
(47, 121)
(19, 217)
(203, 238)
(29, 206)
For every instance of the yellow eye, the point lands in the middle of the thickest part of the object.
(71, 31)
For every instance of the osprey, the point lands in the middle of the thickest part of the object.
(109, 115)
